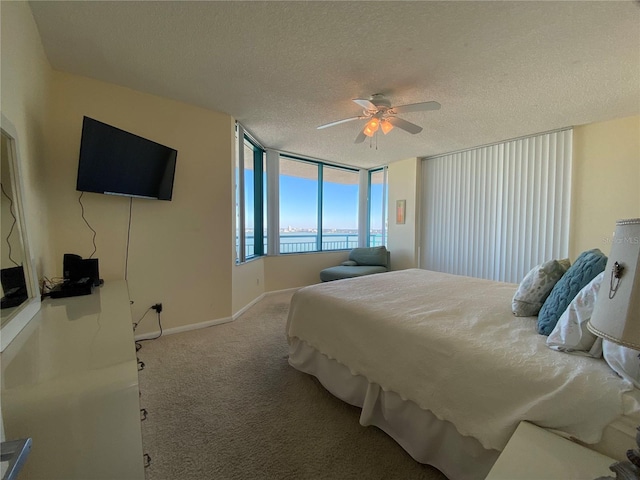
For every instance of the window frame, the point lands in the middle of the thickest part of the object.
(259, 207)
(266, 163)
(320, 165)
(385, 199)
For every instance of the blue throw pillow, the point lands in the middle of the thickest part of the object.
(586, 267)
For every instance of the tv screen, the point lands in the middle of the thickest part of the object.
(116, 162)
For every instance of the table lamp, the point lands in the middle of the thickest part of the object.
(616, 314)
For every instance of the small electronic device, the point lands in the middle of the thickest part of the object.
(74, 267)
(80, 276)
(72, 288)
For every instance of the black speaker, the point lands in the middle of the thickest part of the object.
(74, 268)
(70, 266)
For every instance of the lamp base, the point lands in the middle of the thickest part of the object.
(628, 470)
(623, 471)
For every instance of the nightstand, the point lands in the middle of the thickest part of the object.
(536, 454)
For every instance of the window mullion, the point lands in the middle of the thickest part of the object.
(273, 201)
(319, 233)
(258, 224)
(364, 192)
(241, 214)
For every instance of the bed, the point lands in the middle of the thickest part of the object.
(440, 363)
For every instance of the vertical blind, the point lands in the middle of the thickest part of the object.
(497, 211)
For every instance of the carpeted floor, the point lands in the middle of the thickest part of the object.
(224, 404)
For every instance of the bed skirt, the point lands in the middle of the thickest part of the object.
(426, 438)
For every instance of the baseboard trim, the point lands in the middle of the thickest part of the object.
(264, 295)
(247, 306)
(211, 323)
(184, 328)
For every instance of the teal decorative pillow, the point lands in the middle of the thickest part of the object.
(349, 263)
(586, 267)
(376, 256)
(536, 286)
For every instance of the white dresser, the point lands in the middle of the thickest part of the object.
(70, 382)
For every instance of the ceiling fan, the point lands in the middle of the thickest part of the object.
(382, 116)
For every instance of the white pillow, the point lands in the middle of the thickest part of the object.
(623, 360)
(570, 334)
(536, 286)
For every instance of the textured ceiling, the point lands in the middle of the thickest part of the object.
(499, 69)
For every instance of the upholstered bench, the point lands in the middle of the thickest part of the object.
(362, 261)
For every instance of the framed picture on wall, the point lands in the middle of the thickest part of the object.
(401, 206)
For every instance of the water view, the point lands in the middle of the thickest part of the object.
(309, 241)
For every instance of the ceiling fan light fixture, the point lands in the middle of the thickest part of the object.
(368, 131)
(381, 115)
(371, 127)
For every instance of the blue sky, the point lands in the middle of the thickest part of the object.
(299, 198)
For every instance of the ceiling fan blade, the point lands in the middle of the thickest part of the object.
(360, 138)
(366, 104)
(345, 120)
(404, 125)
(417, 107)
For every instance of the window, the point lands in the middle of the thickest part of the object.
(298, 206)
(339, 208)
(377, 208)
(313, 206)
(251, 216)
(318, 206)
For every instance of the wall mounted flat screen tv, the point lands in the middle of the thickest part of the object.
(116, 162)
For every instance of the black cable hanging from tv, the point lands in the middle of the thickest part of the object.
(12, 225)
(126, 258)
(90, 228)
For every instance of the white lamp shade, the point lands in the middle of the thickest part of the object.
(616, 315)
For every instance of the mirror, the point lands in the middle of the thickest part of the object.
(20, 292)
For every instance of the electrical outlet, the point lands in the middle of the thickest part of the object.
(157, 307)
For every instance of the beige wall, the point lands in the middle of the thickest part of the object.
(178, 250)
(282, 272)
(248, 283)
(606, 181)
(403, 242)
(24, 97)
(297, 270)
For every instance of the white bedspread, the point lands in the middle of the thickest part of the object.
(451, 345)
